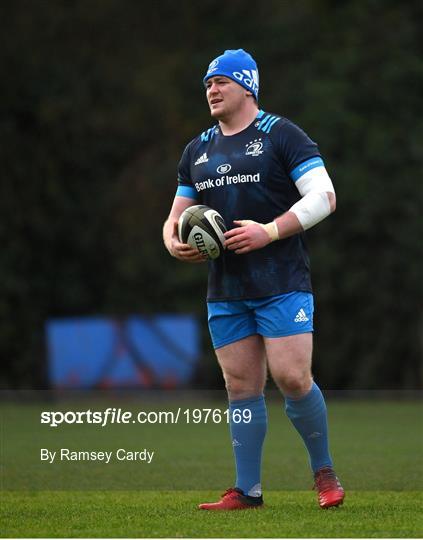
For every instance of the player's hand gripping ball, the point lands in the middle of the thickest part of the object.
(202, 228)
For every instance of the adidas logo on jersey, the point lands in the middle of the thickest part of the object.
(202, 159)
(301, 316)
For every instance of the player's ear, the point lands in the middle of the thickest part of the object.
(248, 93)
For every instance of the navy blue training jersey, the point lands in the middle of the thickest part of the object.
(251, 175)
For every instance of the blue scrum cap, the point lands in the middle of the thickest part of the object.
(239, 66)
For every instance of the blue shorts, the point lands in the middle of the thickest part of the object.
(272, 316)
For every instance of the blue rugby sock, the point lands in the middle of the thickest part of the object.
(247, 442)
(308, 415)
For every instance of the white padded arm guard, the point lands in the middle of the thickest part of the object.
(314, 205)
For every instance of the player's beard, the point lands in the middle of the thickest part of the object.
(223, 113)
(217, 113)
(229, 107)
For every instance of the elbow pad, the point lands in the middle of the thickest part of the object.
(314, 205)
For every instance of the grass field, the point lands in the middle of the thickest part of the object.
(173, 514)
(377, 448)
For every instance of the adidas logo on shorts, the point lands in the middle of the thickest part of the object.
(301, 316)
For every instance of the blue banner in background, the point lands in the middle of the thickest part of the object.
(161, 351)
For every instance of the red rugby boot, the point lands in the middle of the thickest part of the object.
(233, 499)
(329, 489)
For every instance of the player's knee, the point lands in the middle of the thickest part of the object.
(295, 384)
(241, 388)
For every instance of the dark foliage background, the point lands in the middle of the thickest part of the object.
(98, 99)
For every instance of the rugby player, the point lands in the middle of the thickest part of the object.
(267, 179)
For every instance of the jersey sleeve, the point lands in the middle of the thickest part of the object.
(299, 154)
(185, 187)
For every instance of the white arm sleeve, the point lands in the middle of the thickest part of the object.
(314, 205)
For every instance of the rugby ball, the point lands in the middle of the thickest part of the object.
(202, 228)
